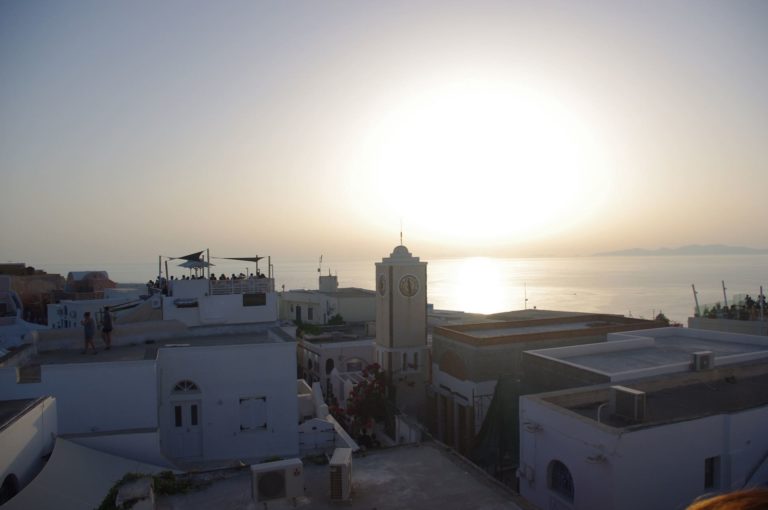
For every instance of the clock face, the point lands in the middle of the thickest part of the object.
(409, 285)
(382, 285)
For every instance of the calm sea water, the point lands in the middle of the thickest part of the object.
(636, 286)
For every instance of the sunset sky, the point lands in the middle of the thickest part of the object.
(130, 129)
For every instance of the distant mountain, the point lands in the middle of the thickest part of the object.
(691, 249)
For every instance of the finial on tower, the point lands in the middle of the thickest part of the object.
(401, 231)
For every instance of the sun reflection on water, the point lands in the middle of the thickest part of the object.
(478, 284)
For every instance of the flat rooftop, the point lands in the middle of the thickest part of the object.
(423, 477)
(141, 348)
(629, 355)
(10, 410)
(526, 330)
(677, 397)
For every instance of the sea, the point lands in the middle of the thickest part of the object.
(636, 286)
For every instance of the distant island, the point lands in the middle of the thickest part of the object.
(691, 249)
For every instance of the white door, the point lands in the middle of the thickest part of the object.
(186, 429)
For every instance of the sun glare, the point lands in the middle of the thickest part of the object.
(482, 163)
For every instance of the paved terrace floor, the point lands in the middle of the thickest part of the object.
(142, 350)
(423, 477)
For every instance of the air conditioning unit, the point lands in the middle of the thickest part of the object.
(628, 403)
(341, 474)
(281, 479)
(703, 360)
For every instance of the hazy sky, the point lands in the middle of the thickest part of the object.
(131, 129)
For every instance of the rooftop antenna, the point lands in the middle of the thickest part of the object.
(725, 298)
(320, 263)
(696, 300)
(401, 231)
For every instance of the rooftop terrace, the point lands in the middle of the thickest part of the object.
(512, 331)
(656, 351)
(677, 397)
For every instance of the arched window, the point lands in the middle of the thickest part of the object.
(559, 480)
(186, 386)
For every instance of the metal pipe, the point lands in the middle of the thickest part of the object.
(599, 411)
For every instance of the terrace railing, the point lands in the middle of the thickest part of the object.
(242, 286)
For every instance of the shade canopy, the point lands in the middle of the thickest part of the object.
(195, 264)
(192, 256)
(244, 259)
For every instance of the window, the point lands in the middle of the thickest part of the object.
(186, 386)
(328, 366)
(405, 361)
(711, 472)
(177, 416)
(354, 366)
(310, 313)
(560, 480)
(193, 415)
(415, 360)
(253, 413)
(255, 299)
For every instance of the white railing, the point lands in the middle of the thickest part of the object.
(242, 286)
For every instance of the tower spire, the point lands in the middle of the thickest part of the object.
(401, 231)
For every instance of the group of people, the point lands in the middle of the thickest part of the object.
(241, 276)
(89, 329)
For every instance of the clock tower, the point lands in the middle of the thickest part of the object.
(401, 319)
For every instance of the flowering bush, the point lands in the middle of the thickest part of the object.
(367, 400)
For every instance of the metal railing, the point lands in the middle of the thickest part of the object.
(241, 286)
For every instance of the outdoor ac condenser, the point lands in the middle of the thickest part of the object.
(341, 474)
(277, 480)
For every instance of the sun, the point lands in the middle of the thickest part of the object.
(483, 162)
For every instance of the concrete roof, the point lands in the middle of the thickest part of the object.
(147, 349)
(555, 327)
(676, 397)
(75, 477)
(345, 292)
(10, 410)
(423, 477)
(654, 351)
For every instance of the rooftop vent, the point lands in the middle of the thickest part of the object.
(627, 403)
(703, 360)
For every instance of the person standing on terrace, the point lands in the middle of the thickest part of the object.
(89, 329)
(106, 328)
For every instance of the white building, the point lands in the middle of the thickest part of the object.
(325, 357)
(688, 418)
(468, 359)
(27, 432)
(190, 398)
(200, 302)
(319, 306)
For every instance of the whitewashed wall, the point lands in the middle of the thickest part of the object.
(655, 467)
(222, 309)
(357, 309)
(224, 376)
(24, 442)
(93, 397)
